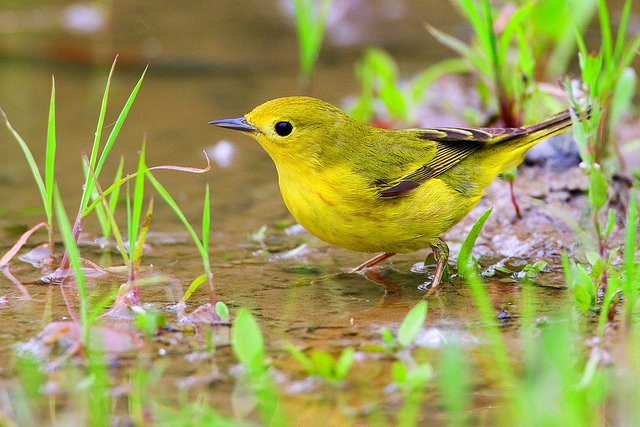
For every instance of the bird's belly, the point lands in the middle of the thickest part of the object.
(401, 225)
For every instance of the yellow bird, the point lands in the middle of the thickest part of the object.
(378, 190)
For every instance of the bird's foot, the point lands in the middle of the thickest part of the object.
(373, 261)
(441, 254)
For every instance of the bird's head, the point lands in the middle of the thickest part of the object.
(293, 130)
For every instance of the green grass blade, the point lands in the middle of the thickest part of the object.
(105, 222)
(30, 160)
(50, 153)
(96, 140)
(144, 229)
(197, 282)
(464, 257)
(113, 199)
(247, 341)
(109, 218)
(100, 214)
(76, 264)
(344, 363)
(412, 324)
(113, 226)
(622, 30)
(206, 219)
(114, 188)
(176, 209)
(629, 53)
(302, 358)
(605, 29)
(115, 131)
(630, 286)
(138, 196)
(445, 67)
(111, 189)
(129, 222)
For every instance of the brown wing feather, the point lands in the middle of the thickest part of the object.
(453, 145)
(456, 144)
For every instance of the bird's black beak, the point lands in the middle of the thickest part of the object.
(236, 124)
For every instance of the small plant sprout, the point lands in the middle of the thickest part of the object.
(149, 322)
(222, 311)
(409, 328)
(96, 163)
(247, 343)
(531, 271)
(323, 365)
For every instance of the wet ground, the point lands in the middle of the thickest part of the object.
(211, 60)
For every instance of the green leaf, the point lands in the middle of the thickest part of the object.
(611, 222)
(622, 30)
(464, 257)
(149, 322)
(387, 337)
(324, 364)
(423, 80)
(399, 373)
(419, 376)
(597, 189)
(247, 341)
(344, 363)
(582, 297)
(580, 135)
(221, 308)
(302, 358)
(451, 42)
(510, 175)
(193, 286)
(412, 324)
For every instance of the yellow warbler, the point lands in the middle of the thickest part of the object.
(378, 190)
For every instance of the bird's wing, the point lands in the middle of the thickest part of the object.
(452, 146)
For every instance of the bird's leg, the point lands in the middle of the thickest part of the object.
(441, 254)
(373, 261)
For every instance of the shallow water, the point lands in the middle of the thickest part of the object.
(212, 60)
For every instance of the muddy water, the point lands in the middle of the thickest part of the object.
(212, 60)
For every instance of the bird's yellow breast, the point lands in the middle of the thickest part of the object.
(338, 206)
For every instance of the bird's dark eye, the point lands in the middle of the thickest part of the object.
(284, 128)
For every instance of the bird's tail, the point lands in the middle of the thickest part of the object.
(533, 134)
(509, 146)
